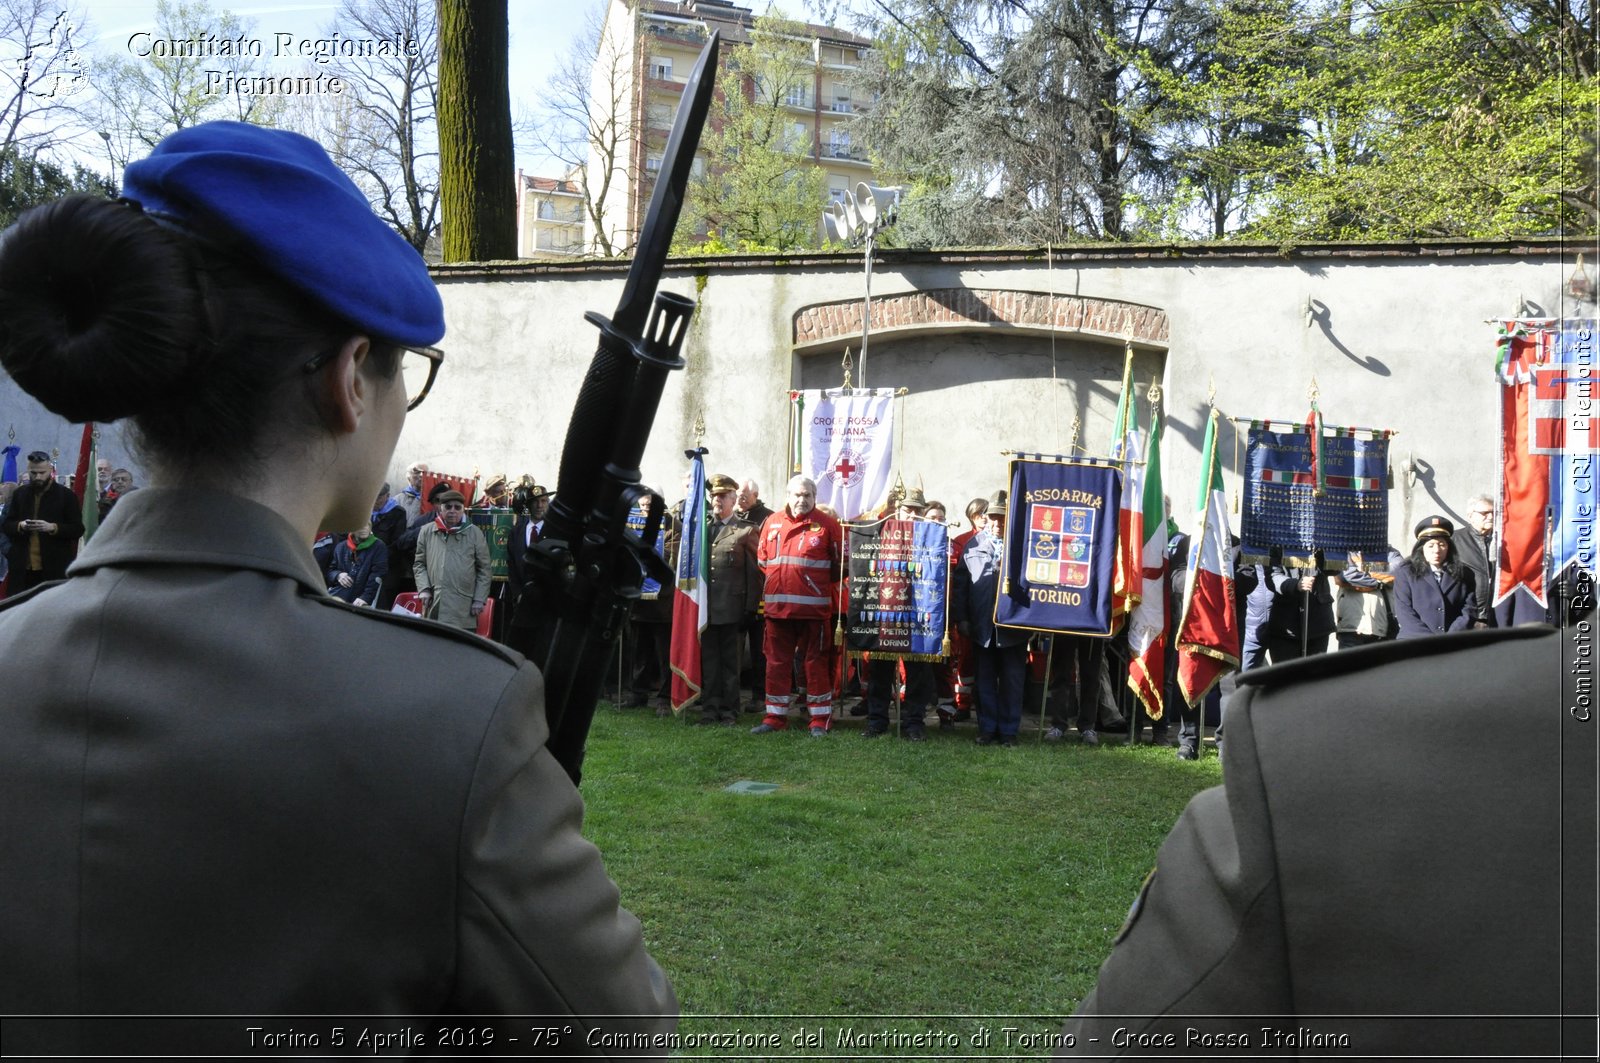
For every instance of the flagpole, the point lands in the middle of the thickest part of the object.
(1044, 695)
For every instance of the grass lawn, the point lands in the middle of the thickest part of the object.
(882, 878)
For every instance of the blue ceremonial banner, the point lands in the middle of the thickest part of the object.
(1282, 506)
(1061, 547)
(1563, 391)
(899, 581)
(650, 588)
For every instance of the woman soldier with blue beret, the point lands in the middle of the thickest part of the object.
(220, 790)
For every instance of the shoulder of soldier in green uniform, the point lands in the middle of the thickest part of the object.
(1346, 662)
(416, 625)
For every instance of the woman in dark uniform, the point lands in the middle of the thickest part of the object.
(222, 791)
(1433, 589)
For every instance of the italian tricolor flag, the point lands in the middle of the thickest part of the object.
(1125, 444)
(689, 604)
(1208, 628)
(1147, 624)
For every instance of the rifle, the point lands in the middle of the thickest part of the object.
(585, 571)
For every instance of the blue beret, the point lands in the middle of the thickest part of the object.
(281, 197)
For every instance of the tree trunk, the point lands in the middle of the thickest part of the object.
(477, 163)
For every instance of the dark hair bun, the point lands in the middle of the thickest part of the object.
(100, 314)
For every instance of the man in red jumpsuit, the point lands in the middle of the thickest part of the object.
(800, 555)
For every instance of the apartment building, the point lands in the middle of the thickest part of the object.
(549, 218)
(647, 50)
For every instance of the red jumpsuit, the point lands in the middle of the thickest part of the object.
(800, 557)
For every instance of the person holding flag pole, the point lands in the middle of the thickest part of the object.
(689, 610)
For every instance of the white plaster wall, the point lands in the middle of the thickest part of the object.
(1399, 341)
(1395, 342)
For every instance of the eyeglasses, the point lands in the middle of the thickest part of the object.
(37, 456)
(418, 368)
(452, 505)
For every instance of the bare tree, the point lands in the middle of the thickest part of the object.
(587, 124)
(142, 98)
(42, 75)
(382, 129)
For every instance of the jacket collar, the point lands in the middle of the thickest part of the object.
(199, 526)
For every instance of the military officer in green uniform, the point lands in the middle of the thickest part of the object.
(223, 792)
(1401, 862)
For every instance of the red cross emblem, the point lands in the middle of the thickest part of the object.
(846, 467)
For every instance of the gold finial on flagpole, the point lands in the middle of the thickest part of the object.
(1313, 392)
(1211, 392)
(845, 365)
(1154, 394)
(699, 430)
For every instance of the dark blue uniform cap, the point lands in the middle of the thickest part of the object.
(280, 198)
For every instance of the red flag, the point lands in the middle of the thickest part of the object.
(1524, 464)
(689, 604)
(1207, 635)
(467, 485)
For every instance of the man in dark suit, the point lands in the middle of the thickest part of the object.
(1376, 878)
(1475, 546)
(44, 523)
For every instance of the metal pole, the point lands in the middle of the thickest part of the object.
(866, 306)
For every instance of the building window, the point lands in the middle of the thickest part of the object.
(839, 144)
(658, 114)
(547, 210)
(837, 194)
(661, 67)
(799, 137)
(798, 97)
(841, 103)
(652, 164)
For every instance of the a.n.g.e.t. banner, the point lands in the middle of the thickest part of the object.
(899, 581)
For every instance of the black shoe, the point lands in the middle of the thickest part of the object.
(946, 724)
(962, 715)
(987, 740)
(874, 732)
(914, 734)
(858, 709)
(1008, 740)
(1188, 752)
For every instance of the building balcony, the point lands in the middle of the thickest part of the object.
(682, 36)
(844, 153)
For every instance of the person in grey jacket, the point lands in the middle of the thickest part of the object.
(220, 794)
(452, 565)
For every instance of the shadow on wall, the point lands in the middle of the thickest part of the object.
(1317, 313)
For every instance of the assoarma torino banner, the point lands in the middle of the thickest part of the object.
(1061, 547)
(1282, 506)
(847, 446)
(899, 586)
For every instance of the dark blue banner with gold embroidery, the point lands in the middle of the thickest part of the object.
(1061, 547)
(899, 580)
(1334, 500)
